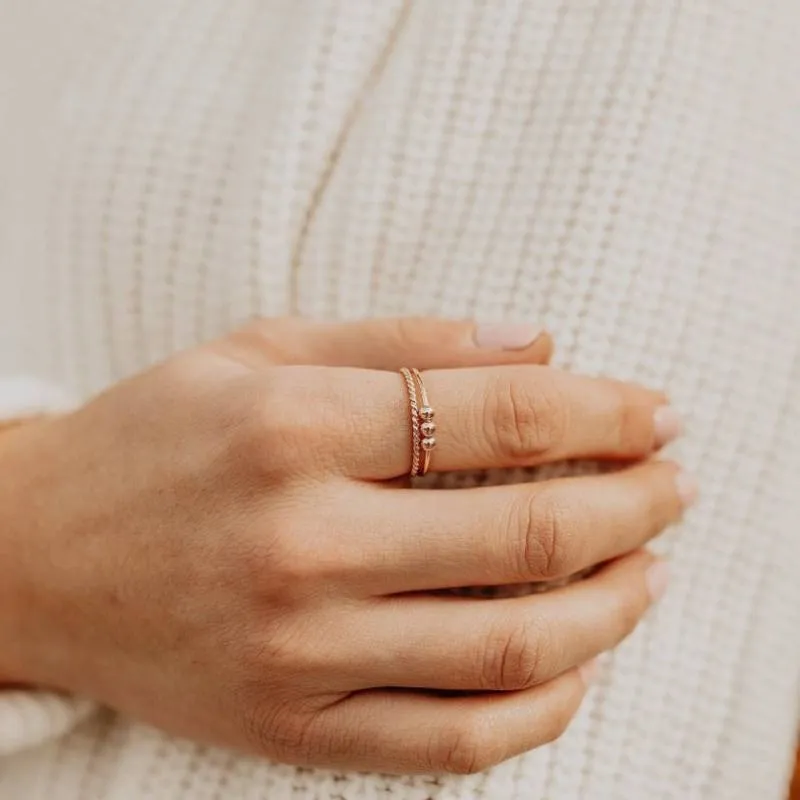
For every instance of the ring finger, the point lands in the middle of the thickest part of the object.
(475, 645)
(497, 417)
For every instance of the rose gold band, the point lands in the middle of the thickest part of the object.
(423, 427)
(411, 387)
(427, 427)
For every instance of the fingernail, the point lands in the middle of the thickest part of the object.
(657, 578)
(668, 424)
(588, 671)
(687, 488)
(506, 336)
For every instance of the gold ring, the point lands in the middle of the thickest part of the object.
(423, 427)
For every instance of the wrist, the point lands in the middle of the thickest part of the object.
(21, 448)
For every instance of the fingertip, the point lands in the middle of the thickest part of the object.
(440, 343)
(668, 425)
(626, 564)
(505, 335)
(687, 488)
(588, 671)
(677, 484)
(544, 348)
(531, 343)
(657, 579)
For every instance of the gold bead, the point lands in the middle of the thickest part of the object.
(428, 428)
(426, 413)
(428, 443)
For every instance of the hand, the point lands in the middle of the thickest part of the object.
(218, 546)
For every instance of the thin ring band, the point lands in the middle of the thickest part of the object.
(427, 427)
(411, 386)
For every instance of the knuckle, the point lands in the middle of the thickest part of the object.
(266, 440)
(278, 430)
(264, 555)
(544, 535)
(528, 422)
(268, 648)
(273, 558)
(285, 576)
(271, 642)
(513, 657)
(279, 733)
(265, 731)
(464, 749)
(290, 560)
(259, 728)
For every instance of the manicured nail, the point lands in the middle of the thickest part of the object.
(657, 578)
(588, 671)
(506, 336)
(687, 488)
(668, 423)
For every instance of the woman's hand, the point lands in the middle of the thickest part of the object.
(219, 546)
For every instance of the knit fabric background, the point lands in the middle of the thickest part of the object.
(625, 171)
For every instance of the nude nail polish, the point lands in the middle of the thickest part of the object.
(687, 488)
(506, 336)
(657, 579)
(668, 425)
(588, 671)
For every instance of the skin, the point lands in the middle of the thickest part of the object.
(224, 546)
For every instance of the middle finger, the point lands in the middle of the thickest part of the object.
(517, 533)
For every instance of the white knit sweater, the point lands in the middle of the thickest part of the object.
(625, 171)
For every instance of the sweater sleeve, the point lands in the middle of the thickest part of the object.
(29, 718)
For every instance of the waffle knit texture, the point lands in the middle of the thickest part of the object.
(626, 172)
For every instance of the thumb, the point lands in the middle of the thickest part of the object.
(388, 344)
